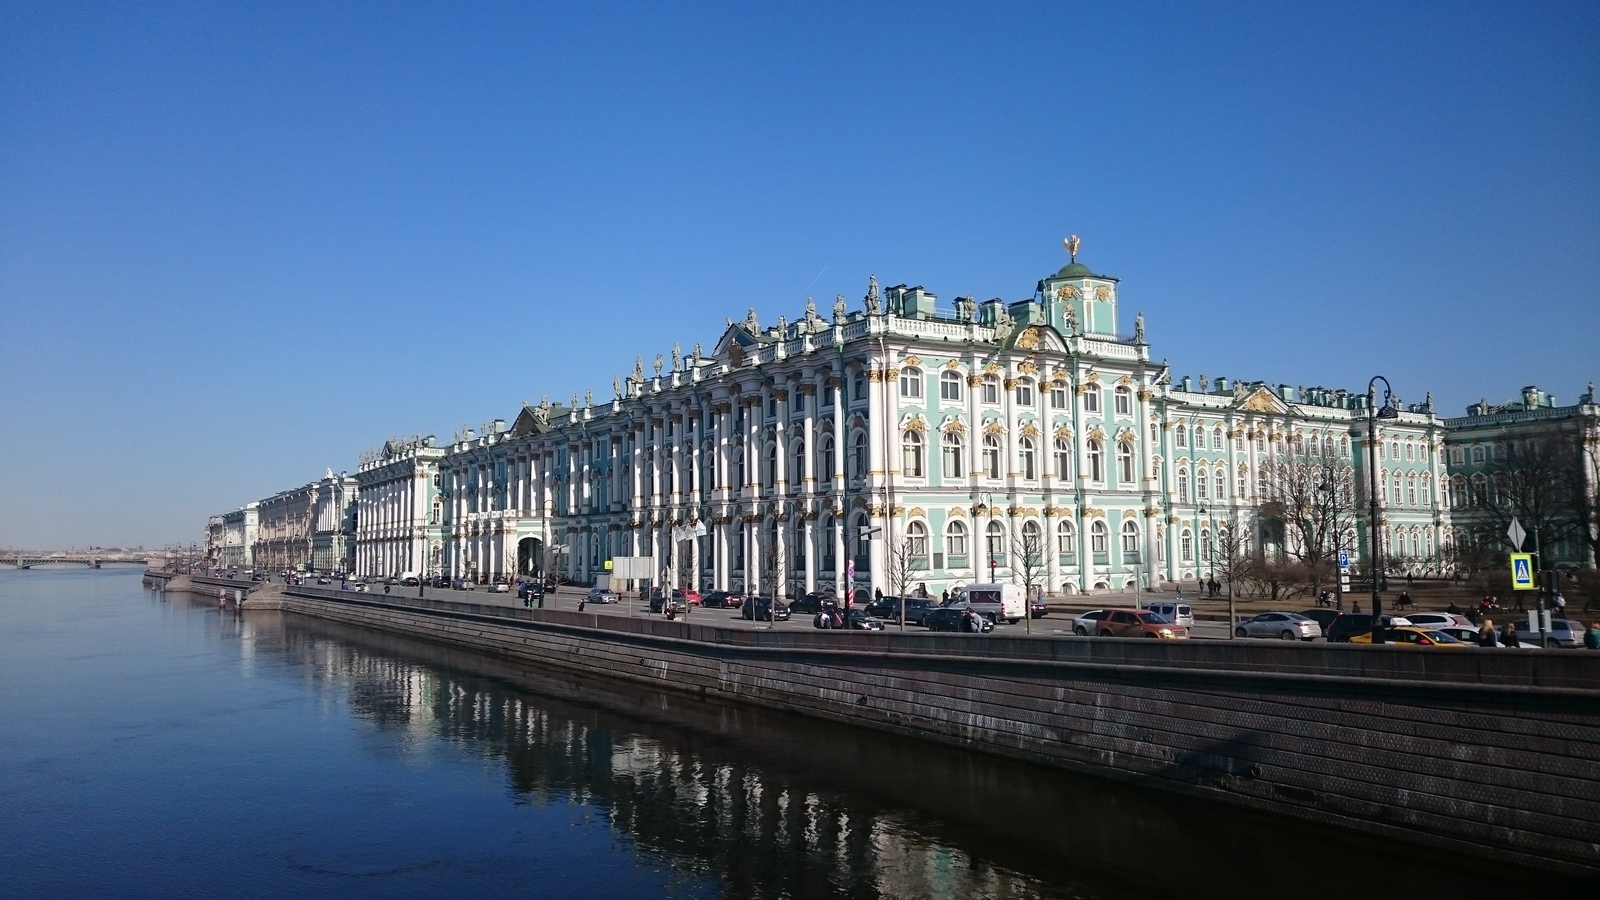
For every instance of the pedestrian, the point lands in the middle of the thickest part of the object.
(1591, 638)
(944, 598)
(1472, 615)
(1508, 636)
(1561, 606)
(1486, 634)
(877, 594)
(1452, 609)
(1355, 607)
(581, 602)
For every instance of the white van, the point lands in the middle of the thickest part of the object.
(1172, 611)
(996, 601)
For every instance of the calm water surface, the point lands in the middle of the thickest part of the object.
(152, 745)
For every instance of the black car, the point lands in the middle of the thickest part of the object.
(945, 619)
(531, 590)
(762, 609)
(860, 621)
(658, 601)
(722, 600)
(1323, 616)
(1349, 624)
(811, 603)
(889, 608)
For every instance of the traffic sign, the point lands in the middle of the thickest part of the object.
(1515, 533)
(1344, 559)
(1522, 572)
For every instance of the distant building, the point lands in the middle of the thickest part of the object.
(333, 537)
(399, 515)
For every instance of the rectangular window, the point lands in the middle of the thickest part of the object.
(1058, 398)
(1124, 403)
(991, 390)
(1091, 400)
(1024, 394)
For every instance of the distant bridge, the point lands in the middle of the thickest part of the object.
(92, 562)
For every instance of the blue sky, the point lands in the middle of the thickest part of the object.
(241, 243)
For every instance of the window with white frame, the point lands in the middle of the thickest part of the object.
(1183, 484)
(1221, 483)
(1091, 399)
(1066, 541)
(1125, 473)
(1186, 546)
(1028, 458)
(1058, 397)
(911, 454)
(1097, 536)
(991, 389)
(955, 538)
(1181, 435)
(1130, 537)
(1201, 488)
(991, 456)
(916, 539)
(995, 538)
(911, 382)
(1124, 401)
(1097, 461)
(1024, 392)
(1216, 438)
(954, 453)
(1063, 459)
(950, 385)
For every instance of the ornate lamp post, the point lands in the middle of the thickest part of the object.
(1373, 415)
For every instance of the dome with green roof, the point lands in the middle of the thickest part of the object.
(1074, 269)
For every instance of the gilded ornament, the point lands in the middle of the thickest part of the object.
(953, 364)
(913, 360)
(994, 428)
(1067, 292)
(1102, 292)
(1064, 432)
(974, 380)
(1030, 430)
(1011, 384)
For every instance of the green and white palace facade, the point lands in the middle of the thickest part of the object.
(899, 442)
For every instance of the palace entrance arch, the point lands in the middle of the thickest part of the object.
(530, 557)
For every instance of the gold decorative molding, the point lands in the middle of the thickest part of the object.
(974, 380)
(991, 369)
(954, 426)
(874, 376)
(1102, 292)
(1030, 430)
(1028, 367)
(1145, 394)
(917, 424)
(993, 428)
(1094, 378)
(1125, 381)
(1028, 339)
(876, 511)
(953, 364)
(917, 512)
(913, 360)
(1011, 384)
(1151, 513)
(1067, 292)
(1064, 432)
(1091, 512)
(1097, 434)
(956, 512)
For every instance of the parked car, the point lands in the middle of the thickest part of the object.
(1173, 611)
(949, 618)
(860, 621)
(1410, 636)
(888, 608)
(1351, 624)
(762, 609)
(602, 595)
(1438, 620)
(530, 590)
(811, 603)
(1323, 616)
(1037, 608)
(689, 596)
(722, 600)
(995, 601)
(1287, 625)
(1139, 623)
(658, 600)
(1466, 635)
(1089, 622)
(360, 586)
(1562, 633)
(463, 584)
(498, 586)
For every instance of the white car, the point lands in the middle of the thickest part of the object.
(1089, 622)
(1439, 620)
(1287, 625)
(499, 587)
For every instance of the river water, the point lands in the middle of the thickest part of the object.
(152, 745)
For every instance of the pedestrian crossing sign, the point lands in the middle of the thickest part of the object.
(1522, 572)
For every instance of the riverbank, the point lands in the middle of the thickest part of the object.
(1492, 754)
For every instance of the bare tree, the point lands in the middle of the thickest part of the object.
(899, 568)
(1537, 479)
(1027, 566)
(1312, 506)
(1230, 558)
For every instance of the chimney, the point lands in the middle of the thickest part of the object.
(1186, 386)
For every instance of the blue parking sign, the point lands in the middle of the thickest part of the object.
(1344, 559)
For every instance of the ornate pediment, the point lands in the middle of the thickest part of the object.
(1263, 400)
(1039, 337)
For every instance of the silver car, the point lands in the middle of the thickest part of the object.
(1439, 620)
(602, 595)
(1089, 622)
(1287, 625)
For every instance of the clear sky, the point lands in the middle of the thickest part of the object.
(240, 243)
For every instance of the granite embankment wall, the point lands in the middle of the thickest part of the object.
(1487, 753)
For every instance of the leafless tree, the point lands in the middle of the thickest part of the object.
(1538, 480)
(899, 568)
(1310, 502)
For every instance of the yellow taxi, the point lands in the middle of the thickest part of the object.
(1410, 636)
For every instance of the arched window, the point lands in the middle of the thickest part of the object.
(1182, 434)
(1410, 450)
(1186, 546)
(1183, 485)
(797, 474)
(1411, 490)
(1024, 392)
(1396, 485)
(954, 453)
(1201, 488)
(955, 538)
(911, 454)
(771, 471)
(1480, 490)
(860, 456)
(991, 389)
(1477, 455)
(1028, 459)
(1097, 461)
(1032, 543)
(950, 385)
(996, 540)
(1063, 459)
(1091, 398)
(828, 470)
(1216, 438)
(1205, 545)
(1124, 401)
(911, 382)
(1344, 446)
(1243, 485)
(1097, 536)
(1125, 462)
(1066, 541)
(991, 456)
(1221, 483)
(916, 539)
(1130, 538)
(1058, 396)
(1427, 489)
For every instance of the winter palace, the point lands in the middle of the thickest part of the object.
(905, 442)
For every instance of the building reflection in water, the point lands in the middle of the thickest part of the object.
(771, 805)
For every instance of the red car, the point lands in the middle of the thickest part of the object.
(1139, 623)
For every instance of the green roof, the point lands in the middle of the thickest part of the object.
(1074, 270)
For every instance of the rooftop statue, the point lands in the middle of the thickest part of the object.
(838, 307)
(1138, 328)
(872, 298)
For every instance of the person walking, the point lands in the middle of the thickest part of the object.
(1486, 634)
(1561, 606)
(1508, 636)
(1452, 609)
(1591, 638)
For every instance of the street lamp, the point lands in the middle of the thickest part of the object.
(1207, 546)
(1373, 415)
